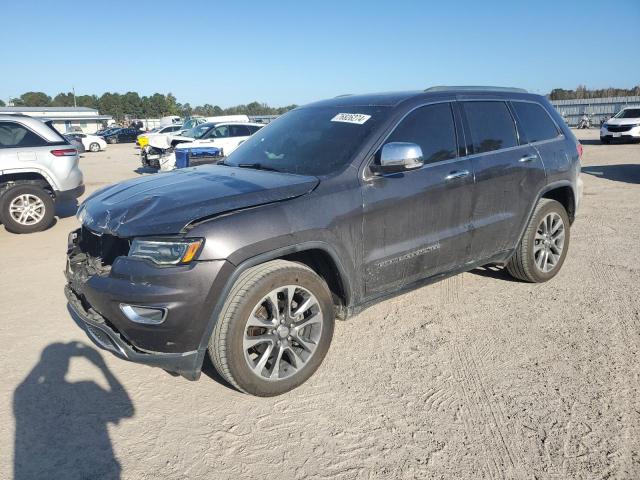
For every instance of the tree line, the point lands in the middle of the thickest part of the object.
(582, 91)
(132, 105)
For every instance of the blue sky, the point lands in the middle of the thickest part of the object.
(231, 52)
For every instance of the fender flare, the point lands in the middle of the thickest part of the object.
(257, 260)
(547, 188)
(43, 173)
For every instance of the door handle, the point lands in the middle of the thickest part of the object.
(457, 174)
(528, 158)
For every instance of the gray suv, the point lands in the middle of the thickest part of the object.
(37, 167)
(330, 208)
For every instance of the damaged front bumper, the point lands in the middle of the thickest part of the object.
(102, 279)
(104, 336)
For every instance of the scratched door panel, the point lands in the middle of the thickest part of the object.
(416, 224)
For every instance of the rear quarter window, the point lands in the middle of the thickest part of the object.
(534, 121)
(14, 135)
(491, 125)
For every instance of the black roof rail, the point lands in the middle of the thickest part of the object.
(343, 95)
(446, 88)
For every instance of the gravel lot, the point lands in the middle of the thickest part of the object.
(477, 376)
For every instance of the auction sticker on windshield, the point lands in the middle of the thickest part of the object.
(358, 118)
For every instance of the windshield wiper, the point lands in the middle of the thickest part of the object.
(257, 166)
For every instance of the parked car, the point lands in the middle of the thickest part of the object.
(192, 122)
(121, 135)
(92, 143)
(143, 139)
(37, 168)
(223, 136)
(106, 131)
(328, 209)
(215, 142)
(625, 125)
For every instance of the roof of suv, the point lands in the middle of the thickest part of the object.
(392, 99)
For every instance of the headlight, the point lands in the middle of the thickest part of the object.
(166, 252)
(604, 125)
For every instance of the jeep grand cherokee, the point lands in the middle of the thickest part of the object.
(330, 208)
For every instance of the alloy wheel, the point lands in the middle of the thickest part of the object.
(282, 332)
(27, 209)
(549, 242)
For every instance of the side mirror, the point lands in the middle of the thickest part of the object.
(399, 156)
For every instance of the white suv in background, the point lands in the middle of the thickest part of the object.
(37, 167)
(624, 125)
(223, 136)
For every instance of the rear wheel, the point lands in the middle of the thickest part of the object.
(26, 209)
(544, 245)
(94, 147)
(274, 329)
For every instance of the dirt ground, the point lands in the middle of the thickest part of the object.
(477, 376)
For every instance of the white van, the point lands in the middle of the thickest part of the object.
(170, 120)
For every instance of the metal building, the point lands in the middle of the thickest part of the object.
(599, 109)
(65, 119)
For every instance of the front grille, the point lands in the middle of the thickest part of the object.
(619, 128)
(103, 246)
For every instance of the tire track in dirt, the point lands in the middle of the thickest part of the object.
(485, 415)
(451, 288)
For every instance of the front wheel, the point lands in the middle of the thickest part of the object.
(26, 209)
(544, 245)
(274, 330)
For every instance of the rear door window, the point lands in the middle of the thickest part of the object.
(491, 125)
(219, 132)
(432, 128)
(14, 135)
(534, 121)
(238, 131)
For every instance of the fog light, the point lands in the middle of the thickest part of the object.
(146, 315)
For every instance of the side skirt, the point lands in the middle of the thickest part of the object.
(499, 259)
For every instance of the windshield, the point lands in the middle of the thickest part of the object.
(628, 113)
(192, 122)
(310, 140)
(198, 131)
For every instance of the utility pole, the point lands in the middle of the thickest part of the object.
(73, 89)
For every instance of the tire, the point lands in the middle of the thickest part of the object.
(36, 198)
(230, 346)
(528, 262)
(94, 147)
(604, 141)
(112, 140)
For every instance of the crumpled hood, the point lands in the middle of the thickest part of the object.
(165, 203)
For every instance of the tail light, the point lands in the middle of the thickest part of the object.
(65, 152)
(580, 150)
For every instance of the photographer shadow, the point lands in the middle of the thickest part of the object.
(61, 426)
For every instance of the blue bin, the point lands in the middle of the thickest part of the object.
(187, 157)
